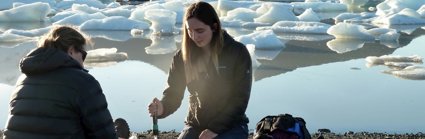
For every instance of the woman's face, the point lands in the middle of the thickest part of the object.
(199, 32)
(78, 55)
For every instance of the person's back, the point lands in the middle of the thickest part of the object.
(56, 97)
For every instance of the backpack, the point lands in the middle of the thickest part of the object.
(282, 126)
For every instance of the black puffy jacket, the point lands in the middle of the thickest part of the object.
(57, 98)
(217, 101)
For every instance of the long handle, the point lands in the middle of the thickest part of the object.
(155, 126)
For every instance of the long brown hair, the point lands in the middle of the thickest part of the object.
(205, 13)
(64, 37)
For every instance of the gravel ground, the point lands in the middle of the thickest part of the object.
(329, 135)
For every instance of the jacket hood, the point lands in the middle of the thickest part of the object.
(42, 60)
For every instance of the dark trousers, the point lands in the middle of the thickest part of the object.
(237, 132)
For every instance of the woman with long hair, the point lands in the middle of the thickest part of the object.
(216, 70)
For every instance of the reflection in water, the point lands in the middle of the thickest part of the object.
(161, 45)
(345, 45)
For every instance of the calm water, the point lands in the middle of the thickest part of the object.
(306, 78)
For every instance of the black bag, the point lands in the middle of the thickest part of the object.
(283, 126)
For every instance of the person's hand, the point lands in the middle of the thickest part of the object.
(155, 108)
(207, 134)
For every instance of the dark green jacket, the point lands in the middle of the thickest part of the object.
(57, 98)
(217, 101)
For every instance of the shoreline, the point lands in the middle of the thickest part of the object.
(314, 135)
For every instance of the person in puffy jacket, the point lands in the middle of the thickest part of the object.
(216, 70)
(55, 97)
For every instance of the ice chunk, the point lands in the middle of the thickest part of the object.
(84, 8)
(265, 39)
(34, 12)
(113, 23)
(66, 4)
(410, 72)
(161, 45)
(390, 7)
(349, 31)
(62, 15)
(109, 35)
(105, 55)
(177, 7)
(251, 50)
(298, 27)
(373, 60)
(421, 11)
(139, 12)
(29, 33)
(309, 15)
(9, 37)
(299, 7)
(354, 3)
(276, 12)
(78, 19)
(162, 20)
(398, 19)
(117, 12)
(223, 6)
(240, 14)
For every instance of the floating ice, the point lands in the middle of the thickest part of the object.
(139, 12)
(61, 15)
(9, 37)
(177, 7)
(345, 45)
(105, 55)
(78, 19)
(265, 39)
(298, 27)
(399, 19)
(309, 15)
(66, 4)
(109, 35)
(354, 17)
(162, 20)
(349, 31)
(421, 11)
(390, 7)
(117, 12)
(240, 14)
(113, 23)
(84, 8)
(223, 6)
(242, 24)
(161, 45)
(276, 12)
(52, 3)
(354, 3)
(29, 33)
(34, 12)
(385, 35)
(373, 60)
(251, 50)
(397, 65)
(300, 7)
(410, 72)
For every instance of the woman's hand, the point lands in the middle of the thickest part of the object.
(155, 108)
(207, 134)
